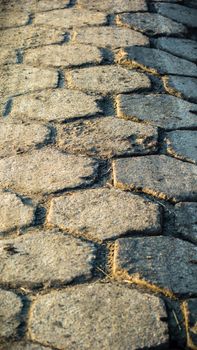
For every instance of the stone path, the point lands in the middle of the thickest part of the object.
(98, 177)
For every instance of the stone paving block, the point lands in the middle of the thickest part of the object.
(10, 310)
(185, 220)
(182, 144)
(14, 212)
(185, 87)
(17, 138)
(114, 317)
(151, 24)
(155, 61)
(114, 6)
(178, 13)
(183, 48)
(104, 214)
(46, 171)
(7, 56)
(110, 37)
(70, 18)
(53, 105)
(34, 6)
(9, 19)
(24, 346)
(191, 317)
(164, 262)
(171, 1)
(168, 112)
(107, 79)
(64, 55)
(44, 258)
(21, 79)
(157, 176)
(190, 3)
(108, 137)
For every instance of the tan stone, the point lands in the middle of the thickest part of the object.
(7, 56)
(24, 346)
(34, 6)
(182, 144)
(10, 313)
(114, 6)
(10, 19)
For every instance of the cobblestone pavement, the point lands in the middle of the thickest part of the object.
(98, 177)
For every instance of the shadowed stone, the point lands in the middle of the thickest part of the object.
(168, 112)
(45, 258)
(114, 6)
(162, 261)
(103, 214)
(7, 56)
(46, 171)
(178, 13)
(185, 220)
(183, 48)
(114, 317)
(157, 176)
(182, 144)
(10, 310)
(191, 310)
(181, 86)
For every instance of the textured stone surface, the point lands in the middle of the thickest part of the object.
(155, 61)
(114, 317)
(114, 6)
(183, 48)
(192, 323)
(34, 6)
(104, 214)
(53, 105)
(150, 24)
(17, 138)
(45, 257)
(14, 212)
(24, 346)
(163, 261)
(157, 175)
(110, 37)
(107, 79)
(9, 19)
(45, 171)
(7, 56)
(64, 55)
(182, 144)
(19, 80)
(70, 18)
(190, 3)
(108, 137)
(179, 13)
(185, 220)
(10, 309)
(181, 86)
(161, 110)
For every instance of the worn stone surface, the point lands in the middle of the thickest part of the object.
(70, 18)
(182, 144)
(168, 112)
(24, 346)
(155, 61)
(53, 105)
(9, 19)
(114, 6)
(162, 261)
(10, 310)
(35, 6)
(192, 322)
(7, 56)
(179, 13)
(107, 79)
(15, 213)
(64, 55)
(116, 318)
(108, 137)
(190, 3)
(181, 86)
(104, 214)
(17, 80)
(46, 170)
(44, 258)
(110, 37)
(185, 220)
(17, 138)
(183, 48)
(151, 24)
(157, 175)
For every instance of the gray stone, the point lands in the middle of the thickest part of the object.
(110, 37)
(191, 319)
(44, 258)
(114, 317)
(178, 13)
(10, 310)
(103, 214)
(185, 220)
(107, 79)
(182, 144)
(157, 176)
(165, 111)
(181, 87)
(24, 346)
(18, 138)
(64, 55)
(10, 19)
(190, 3)
(155, 61)
(114, 6)
(14, 212)
(7, 56)
(163, 262)
(53, 105)
(168, 1)
(108, 137)
(150, 24)
(46, 171)
(183, 48)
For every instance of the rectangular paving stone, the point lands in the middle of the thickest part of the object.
(178, 13)
(10, 19)
(10, 313)
(181, 86)
(183, 48)
(182, 144)
(185, 220)
(7, 56)
(164, 262)
(157, 175)
(114, 6)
